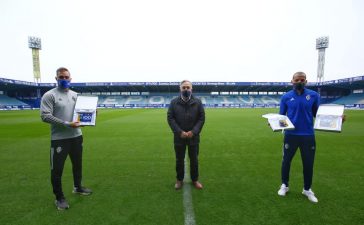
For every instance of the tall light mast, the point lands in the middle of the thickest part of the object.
(35, 44)
(321, 44)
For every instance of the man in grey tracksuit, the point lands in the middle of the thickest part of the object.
(56, 108)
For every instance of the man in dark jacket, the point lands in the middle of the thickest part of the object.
(186, 117)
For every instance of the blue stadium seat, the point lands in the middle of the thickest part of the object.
(8, 101)
(350, 99)
(207, 99)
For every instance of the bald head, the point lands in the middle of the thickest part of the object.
(299, 74)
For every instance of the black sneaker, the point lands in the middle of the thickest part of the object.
(61, 204)
(82, 191)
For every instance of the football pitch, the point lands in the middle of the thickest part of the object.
(129, 163)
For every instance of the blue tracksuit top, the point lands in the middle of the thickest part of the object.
(300, 109)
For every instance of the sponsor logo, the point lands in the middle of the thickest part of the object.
(59, 149)
(292, 99)
(85, 117)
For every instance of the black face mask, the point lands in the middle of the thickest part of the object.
(186, 93)
(299, 86)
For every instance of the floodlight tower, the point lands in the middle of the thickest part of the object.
(321, 44)
(35, 44)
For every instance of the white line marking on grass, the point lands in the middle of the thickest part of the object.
(187, 200)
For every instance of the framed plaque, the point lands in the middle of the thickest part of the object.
(279, 122)
(85, 110)
(329, 117)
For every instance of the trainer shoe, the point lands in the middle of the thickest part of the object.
(197, 185)
(82, 191)
(178, 185)
(61, 204)
(310, 195)
(283, 190)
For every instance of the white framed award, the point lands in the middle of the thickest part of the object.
(329, 117)
(85, 110)
(279, 122)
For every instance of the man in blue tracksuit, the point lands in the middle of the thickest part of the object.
(300, 105)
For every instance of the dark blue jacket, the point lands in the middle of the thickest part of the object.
(186, 116)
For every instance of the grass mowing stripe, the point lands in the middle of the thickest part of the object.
(187, 199)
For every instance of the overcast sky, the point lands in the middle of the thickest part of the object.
(168, 40)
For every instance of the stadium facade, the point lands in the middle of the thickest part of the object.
(15, 94)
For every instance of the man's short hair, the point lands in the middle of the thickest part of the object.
(299, 73)
(61, 69)
(184, 81)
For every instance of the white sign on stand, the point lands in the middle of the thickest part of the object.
(329, 117)
(85, 110)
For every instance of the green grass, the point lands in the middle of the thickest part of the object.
(129, 164)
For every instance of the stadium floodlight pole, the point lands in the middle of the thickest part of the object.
(321, 44)
(35, 44)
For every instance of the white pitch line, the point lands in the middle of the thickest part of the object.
(187, 200)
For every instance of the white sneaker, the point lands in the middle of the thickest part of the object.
(283, 190)
(310, 195)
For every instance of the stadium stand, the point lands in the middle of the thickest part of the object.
(23, 95)
(11, 103)
(205, 98)
(350, 99)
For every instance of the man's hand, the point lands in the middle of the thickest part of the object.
(74, 124)
(189, 134)
(184, 135)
